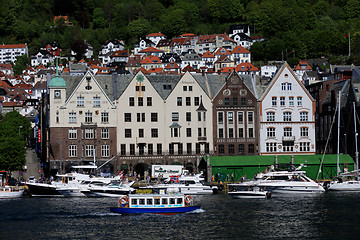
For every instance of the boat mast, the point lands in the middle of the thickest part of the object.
(356, 146)
(338, 139)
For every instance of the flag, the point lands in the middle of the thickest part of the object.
(292, 51)
(346, 35)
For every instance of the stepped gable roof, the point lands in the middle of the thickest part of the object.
(239, 49)
(150, 50)
(164, 43)
(302, 66)
(150, 60)
(155, 35)
(245, 67)
(188, 68)
(208, 55)
(12, 46)
(222, 51)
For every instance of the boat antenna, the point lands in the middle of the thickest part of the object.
(356, 146)
(338, 138)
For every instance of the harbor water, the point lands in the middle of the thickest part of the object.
(302, 216)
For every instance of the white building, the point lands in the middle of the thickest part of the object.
(287, 120)
(268, 71)
(9, 52)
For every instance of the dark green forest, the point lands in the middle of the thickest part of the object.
(309, 28)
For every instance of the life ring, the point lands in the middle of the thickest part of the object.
(188, 199)
(123, 201)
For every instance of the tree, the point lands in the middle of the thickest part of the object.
(22, 63)
(79, 47)
(138, 28)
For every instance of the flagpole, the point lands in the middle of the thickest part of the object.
(349, 45)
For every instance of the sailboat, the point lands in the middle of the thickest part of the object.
(347, 181)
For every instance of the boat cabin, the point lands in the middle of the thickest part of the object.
(155, 200)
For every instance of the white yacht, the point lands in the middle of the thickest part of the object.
(347, 181)
(187, 184)
(113, 189)
(285, 182)
(250, 192)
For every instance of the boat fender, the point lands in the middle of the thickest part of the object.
(188, 199)
(123, 201)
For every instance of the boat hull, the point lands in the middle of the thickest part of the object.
(12, 194)
(43, 189)
(249, 194)
(163, 211)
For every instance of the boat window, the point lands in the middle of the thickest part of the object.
(164, 201)
(172, 200)
(134, 201)
(142, 201)
(157, 201)
(179, 201)
(149, 201)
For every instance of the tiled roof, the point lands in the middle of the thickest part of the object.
(302, 66)
(155, 35)
(150, 49)
(244, 67)
(188, 68)
(13, 46)
(150, 59)
(222, 51)
(208, 55)
(240, 49)
(155, 70)
(120, 53)
(171, 65)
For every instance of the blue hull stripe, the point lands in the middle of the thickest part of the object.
(153, 210)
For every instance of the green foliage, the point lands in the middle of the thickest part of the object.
(14, 130)
(22, 63)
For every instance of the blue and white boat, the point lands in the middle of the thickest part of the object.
(165, 204)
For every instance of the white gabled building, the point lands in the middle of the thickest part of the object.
(9, 52)
(287, 119)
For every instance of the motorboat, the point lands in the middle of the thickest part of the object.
(347, 181)
(187, 184)
(163, 203)
(248, 192)
(113, 189)
(285, 182)
(8, 192)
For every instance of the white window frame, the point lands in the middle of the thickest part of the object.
(72, 133)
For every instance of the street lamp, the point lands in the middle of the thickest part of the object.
(20, 127)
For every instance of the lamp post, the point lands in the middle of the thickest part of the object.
(20, 127)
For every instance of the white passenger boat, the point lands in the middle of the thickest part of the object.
(285, 182)
(8, 192)
(187, 184)
(248, 192)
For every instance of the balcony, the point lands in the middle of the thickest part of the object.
(202, 139)
(288, 138)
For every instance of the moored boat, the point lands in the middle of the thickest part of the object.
(165, 204)
(250, 192)
(8, 192)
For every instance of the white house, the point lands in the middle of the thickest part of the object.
(9, 52)
(287, 120)
(268, 71)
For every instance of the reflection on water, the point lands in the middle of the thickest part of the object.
(315, 216)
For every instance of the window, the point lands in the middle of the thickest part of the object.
(288, 146)
(190, 88)
(221, 149)
(127, 133)
(188, 148)
(287, 116)
(304, 132)
(231, 133)
(291, 101)
(188, 132)
(132, 149)
(141, 133)
(105, 150)
(104, 117)
(227, 101)
(89, 150)
(241, 149)
(72, 150)
(179, 101)
(149, 101)
(123, 149)
(150, 149)
(184, 88)
(231, 149)
(57, 117)
(251, 132)
(282, 101)
(188, 116)
(283, 86)
(180, 149)
(221, 133)
(243, 101)
(131, 101)
(171, 149)
(270, 116)
(80, 101)
(230, 117)
(140, 101)
(159, 149)
(89, 133)
(188, 101)
(251, 148)
(175, 132)
(220, 117)
(105, 133)
(196, 100)
(96, 101)
(270, 132)
(273, 101)
(72, 133)
(199, 132)
(304, 147)
(303, 116)
(154, 133)
(88, 117)
(240, 117)
(241, 132)
(299, 101)
(235, 101)
(287, 132)
(204, 116)
(270, 147)
(289, 87)
(250, 117)
(72, 117)
(175, 116)
(154, 117)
